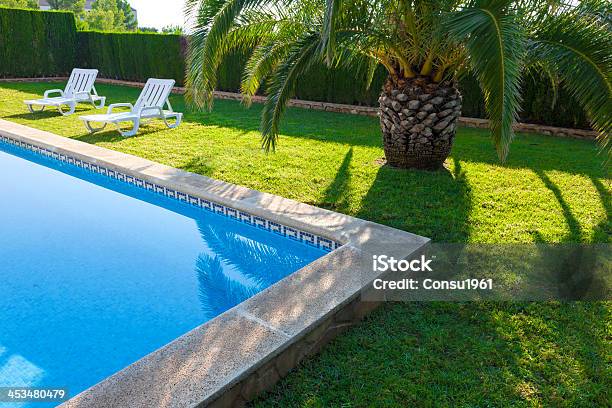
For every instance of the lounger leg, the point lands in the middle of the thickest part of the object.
(131, 132)
(94, 129)
(101, 103)
(31, 109)
(177, 121)
(69, 112)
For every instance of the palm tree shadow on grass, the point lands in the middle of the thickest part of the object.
(575, 229)
(603, 231)
(574, 330)
(504, 344)
(335, 195)
(578, 274)
(434, 204)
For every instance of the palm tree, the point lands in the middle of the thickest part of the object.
(424, 45)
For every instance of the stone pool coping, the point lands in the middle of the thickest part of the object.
(234, 357)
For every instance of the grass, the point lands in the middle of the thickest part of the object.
(410, 354)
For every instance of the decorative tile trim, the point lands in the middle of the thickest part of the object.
(246, 218)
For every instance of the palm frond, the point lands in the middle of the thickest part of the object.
(301, 57)
(328, 33)
(496, 48)
(215, 19)
(371, 72)
(578, 48)
(266, 56)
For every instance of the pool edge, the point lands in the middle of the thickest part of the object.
(234, 357)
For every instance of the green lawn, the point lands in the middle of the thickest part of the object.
(412, 354)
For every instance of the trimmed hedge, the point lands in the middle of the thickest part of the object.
(34, 43)
(132, 56)
(343, 86)
(41, 43)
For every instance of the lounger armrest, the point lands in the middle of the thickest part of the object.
(152, 108)
(82, 94)
(118, 105)
(50, 91)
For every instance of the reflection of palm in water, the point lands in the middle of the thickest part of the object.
(261, 264)
(218, 292)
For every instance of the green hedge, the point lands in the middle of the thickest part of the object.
(539, 105)
(344, 86)
(34, 43)
(132, 56)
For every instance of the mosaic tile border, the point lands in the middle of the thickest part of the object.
(305, 237)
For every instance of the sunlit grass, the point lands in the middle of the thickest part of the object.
(418, 354)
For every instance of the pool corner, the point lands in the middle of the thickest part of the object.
(243, 352)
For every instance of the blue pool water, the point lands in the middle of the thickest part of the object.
(96, 273)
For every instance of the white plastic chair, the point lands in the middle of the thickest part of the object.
(150, 105)
(79, 89)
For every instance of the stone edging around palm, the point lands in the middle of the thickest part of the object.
(352, 109)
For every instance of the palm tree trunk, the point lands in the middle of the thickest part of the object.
(418, 119)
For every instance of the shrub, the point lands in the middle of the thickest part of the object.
(34, 43)
(132, 56)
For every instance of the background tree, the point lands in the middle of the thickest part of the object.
(147, 29)
(27, 4)
(129, 19)
(76, 6)
(105, 16)
(424, 45)
(173, 29)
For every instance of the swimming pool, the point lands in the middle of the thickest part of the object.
(96, 272)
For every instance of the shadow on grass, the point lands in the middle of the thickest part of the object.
(603, 231)
(575, 230)
(577, 276)
(437, 354)
(454, 354)
(553, 352)
(48, 113)
(111, 134)
(434, 204)
(424, 197)
(335, 195)
(199, 165)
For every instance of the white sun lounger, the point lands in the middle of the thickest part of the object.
(80, 88)
(150, 105)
